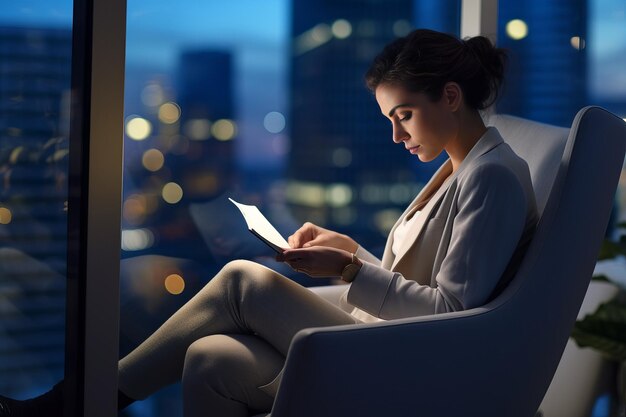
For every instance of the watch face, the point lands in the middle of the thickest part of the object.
(350, 272)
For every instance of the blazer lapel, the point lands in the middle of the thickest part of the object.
(418, 225)
(419, 203)
(436, 185)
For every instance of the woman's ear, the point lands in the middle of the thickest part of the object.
(453, 96)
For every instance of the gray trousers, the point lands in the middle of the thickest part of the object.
(230, 339)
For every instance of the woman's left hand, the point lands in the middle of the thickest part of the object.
(316, 261)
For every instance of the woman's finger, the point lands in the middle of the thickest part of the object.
(318, 241)
(304, 234)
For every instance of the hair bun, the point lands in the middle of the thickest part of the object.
(491, 59)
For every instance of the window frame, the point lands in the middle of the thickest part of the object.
(94, 202)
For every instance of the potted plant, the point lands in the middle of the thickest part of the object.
(605, 329)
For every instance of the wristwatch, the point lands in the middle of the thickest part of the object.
(349, 271)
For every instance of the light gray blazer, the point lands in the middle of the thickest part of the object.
(465, 245)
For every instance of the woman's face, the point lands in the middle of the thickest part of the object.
(425, 127)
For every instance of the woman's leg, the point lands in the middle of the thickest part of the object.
(243, 298)
(222, 375)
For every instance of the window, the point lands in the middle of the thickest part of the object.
(263, 102)
(35, 69)
(564, 55)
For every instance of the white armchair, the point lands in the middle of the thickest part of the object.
(496, 360)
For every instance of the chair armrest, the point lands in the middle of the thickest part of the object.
(366, 365)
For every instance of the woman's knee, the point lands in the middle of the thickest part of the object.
(247, 275)
(209, 359)
(226, 362)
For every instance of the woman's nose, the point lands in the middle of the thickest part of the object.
(399, 134)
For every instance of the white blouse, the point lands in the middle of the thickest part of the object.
(400, 233)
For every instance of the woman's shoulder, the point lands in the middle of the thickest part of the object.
(500, 157)
(499, 163)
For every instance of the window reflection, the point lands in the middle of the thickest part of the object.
(35, 64)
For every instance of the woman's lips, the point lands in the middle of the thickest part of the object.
(414, 149)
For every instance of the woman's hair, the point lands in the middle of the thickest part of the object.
(425, 60)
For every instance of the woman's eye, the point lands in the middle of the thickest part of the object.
(405, 117)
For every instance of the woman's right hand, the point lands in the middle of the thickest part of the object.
(312, 235)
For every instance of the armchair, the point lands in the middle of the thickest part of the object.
(492, 361)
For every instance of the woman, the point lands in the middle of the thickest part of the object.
(454, 247)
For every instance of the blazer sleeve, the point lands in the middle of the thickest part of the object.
(491, 214)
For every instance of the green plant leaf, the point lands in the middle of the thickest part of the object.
(609, 250)
(604, 330)
(600, 278)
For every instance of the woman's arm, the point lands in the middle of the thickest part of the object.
(320, 252)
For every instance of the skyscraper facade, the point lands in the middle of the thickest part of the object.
(35, 70)
(344, 170)
(547, 72)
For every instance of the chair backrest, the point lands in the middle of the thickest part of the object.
(540, 145)
(550, 285)
(496, 360)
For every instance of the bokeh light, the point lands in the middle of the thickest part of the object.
(577, 42)
(5, 215)
(169, 113)
(174, 284)
(172, 193)
(338, 195)
(135, 209)
(517, 29)
(152, 95)
(342, 157)
(198, 129)
(153, 160)
(341, 28)
(15, 154)
(401, 27)
(224, 129)
(138, 128)
(137, 239)
(321, 33)
(385, 220)
(274, 122)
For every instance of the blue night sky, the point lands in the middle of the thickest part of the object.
(255, 32)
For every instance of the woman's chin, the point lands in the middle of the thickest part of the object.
(426, 158)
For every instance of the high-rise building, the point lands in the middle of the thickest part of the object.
(205, 95)
(547, 72)
(344, 170)
(35, 70)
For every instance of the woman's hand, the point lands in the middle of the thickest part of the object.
(316, 261)
(310, 235)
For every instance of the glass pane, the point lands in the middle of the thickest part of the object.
(263, 102)
(35, 69)
(547, 71)
(564, 55)
(607, 79)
